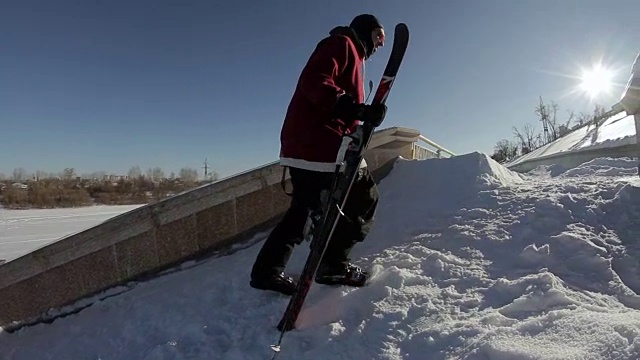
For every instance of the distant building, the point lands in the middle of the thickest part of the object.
(112, 177)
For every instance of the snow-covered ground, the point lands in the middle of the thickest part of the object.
(23, 231)
(615, 131)
(470, 261)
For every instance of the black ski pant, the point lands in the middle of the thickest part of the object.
(307, 188)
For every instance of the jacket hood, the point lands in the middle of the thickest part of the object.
(349, 32)
(363, 25)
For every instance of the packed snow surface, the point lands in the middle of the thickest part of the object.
(23, 231)
(469, 261)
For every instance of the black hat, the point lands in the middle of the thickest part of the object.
(363, 25)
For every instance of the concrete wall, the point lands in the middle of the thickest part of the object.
(628, 147)
(149, 239)
(573, 159)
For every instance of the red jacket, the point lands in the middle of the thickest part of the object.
(310, 137)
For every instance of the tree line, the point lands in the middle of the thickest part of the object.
(528, 138)
(155, 173)
(67, 189)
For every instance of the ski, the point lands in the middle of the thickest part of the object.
(347, 164)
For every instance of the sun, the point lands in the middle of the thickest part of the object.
(596, 81)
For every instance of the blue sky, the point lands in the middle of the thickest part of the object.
(106, 85)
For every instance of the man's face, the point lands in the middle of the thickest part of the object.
(377, 37)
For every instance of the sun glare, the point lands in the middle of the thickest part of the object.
(596, 81)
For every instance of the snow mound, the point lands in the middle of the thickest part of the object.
(448, 181)
(547, 171)
(546, 267)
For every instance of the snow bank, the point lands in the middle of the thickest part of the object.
(469, 261)
(23, 231)
(437, 184)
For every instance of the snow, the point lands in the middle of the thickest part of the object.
(618, 130)
(469, 261)
(23, 231)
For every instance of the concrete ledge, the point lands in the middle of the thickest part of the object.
(152, 238)
(574, 159)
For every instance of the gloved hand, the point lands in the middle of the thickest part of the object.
(373, 113)
(347, 109)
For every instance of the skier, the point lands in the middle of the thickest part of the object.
(327, 103)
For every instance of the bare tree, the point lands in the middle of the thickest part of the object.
(135, 172)
(598, 110)
(553, 121)
(19, 174)
(565, 128)
(188, 175)
(155, 174)
(548, 116)
(585, 118)
(68, 174)
(527, 139)
(543, 112)
(598, 113)
(505, 150)
(41, 175)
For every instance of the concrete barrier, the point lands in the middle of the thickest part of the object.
(158, 236)
(575, 148)
(572, 159)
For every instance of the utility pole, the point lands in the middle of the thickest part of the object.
(209, 173)
(544, 117)
(206, 169)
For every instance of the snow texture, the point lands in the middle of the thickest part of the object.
(469, 261)
(23, 231)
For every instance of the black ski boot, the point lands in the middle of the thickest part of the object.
(278, 282)
(350, 275)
